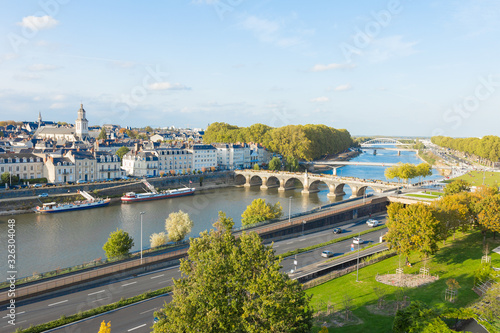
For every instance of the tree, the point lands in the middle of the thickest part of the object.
(275, 164)
(456, 186)
(234, 284)
(102, 135)
(419, 317)
(158, 239)
(259, 211)
(292, 164)
(119, 244)
(105, 328)
(5, 177)
(178, 225)
(256, 166)
(148, 129)
(424, 170)
(488, 208)
(454, 213)
(412, 228)
(122, 151)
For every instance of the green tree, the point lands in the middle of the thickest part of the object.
(102, 135)
(424, 170)
(148, 129)
(178, 225)
(259, 211)
(122, 151)
(412, 228)
(119, 244)
(419, 317)
(256, 166)
(234, 284)
(488, 211)
(456, 186)
(292, 164)
(454, 213)
(5, 177)
(2, 134)
(275, 164)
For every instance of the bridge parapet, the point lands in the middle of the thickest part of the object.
(287, 180)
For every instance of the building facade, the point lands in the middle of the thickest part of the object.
(81, 124)
(23, 165)
(204, 157)
(140, 163)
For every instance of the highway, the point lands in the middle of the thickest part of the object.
(52, 307)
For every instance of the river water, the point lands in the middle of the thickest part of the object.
(48, 242)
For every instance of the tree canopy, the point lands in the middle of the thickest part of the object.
(412, 228)
(102, 134)
(234, 285)
(119, 244)
(488, 147)
(105, 328)
(275, 164)
(408, 171)
(456, 186)
(306, 142)
(259, 211)
(178, 225)
(122, 151)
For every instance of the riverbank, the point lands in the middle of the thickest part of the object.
(345, 156)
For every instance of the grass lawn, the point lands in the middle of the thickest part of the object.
(424, 196)
(457, 259)
(439, 194)
(475, 178)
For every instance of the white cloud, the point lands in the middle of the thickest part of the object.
(343, 87)
(387, 48)
(38, 22)
(276, 32)
(42, 67)
(27, 76)
(59, 97)
(167, 86)
(58, 106)
(321, 99)
(332, 66)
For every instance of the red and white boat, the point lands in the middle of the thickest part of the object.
(130, 197)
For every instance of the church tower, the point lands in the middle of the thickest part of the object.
(81, 124)
(39, 118)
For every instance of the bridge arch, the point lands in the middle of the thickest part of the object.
(382, 141)
(255, 180)
(364, 190)
(314, 186)
(271, 181)
(239, 179)
(289, 183)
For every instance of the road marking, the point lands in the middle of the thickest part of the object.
(97, 292)
(128, 284)
(289, 243)
(275, 246)
(136, 327)
(154, 277)
(163, 282)
(303, 239)
(58, 302)
(147, 311)
(100, 299)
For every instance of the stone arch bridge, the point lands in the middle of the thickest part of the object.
(286, 181)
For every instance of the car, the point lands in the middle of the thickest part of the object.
(43, 195)
(337, 231)
(70, 183)
(124, 177)
(81, 181)
(357, 240)
(372, 223)
(155, 320)
(327, 254)
(37, 185)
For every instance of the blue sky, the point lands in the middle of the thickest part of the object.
(394, 67)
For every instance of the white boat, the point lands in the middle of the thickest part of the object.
(130, 197)
(91, 202)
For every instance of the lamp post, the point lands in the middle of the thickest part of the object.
(357, 259)
(142, 213)
(289, 209)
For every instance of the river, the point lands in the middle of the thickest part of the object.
(48, 242)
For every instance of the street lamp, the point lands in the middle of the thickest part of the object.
(142, 213)
(289, 209)
(357, 259)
